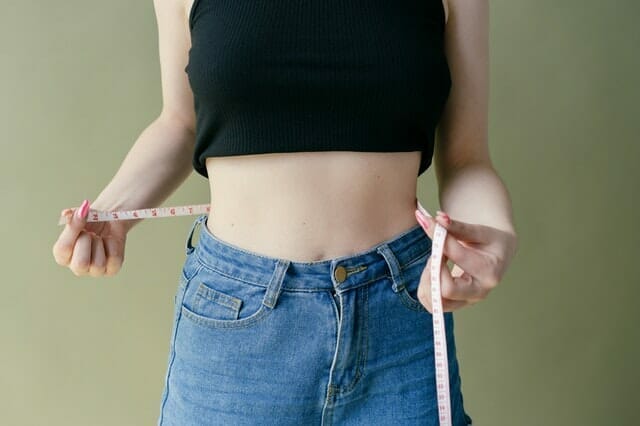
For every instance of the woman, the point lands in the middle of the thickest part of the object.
(306, 299)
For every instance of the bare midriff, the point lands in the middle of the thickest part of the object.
(312, 206)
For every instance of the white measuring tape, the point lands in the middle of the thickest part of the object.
(439, 336)
(439, 235)
(106, 216)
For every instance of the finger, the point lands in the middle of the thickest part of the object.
(459, 287)
(81, 257)
(64, 245)
(65, 213)
(470, 259)
(425, 291)
(463, 287)
(425, 222)
(98, 257)
(469, 232)
(424, 294)
(114, 252)
(456, 288)
(450, 298)
(458, 274)
(453, 305)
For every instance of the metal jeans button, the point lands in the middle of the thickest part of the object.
(340, 273)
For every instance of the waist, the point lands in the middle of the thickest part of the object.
(313, 207)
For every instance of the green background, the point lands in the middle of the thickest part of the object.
(556, 343)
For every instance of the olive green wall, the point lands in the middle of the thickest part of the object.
(555, 344)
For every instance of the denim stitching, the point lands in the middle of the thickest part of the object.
(415, 259)
(216, 324)
(216, 271)
(172, 350)
(218, 297)
(410, 303)
(408, 300)
(199, 304)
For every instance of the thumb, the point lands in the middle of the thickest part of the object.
(75, 222)
(77, 219)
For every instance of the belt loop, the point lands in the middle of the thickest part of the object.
(275, 285)
(188, 246)
(396, 274)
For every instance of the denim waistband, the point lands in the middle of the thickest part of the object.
(387, 258)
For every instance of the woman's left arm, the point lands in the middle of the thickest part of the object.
(481, 239)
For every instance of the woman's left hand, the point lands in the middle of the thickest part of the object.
(480, 254)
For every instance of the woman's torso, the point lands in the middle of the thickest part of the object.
(310, 206)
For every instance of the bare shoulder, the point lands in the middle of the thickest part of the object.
(462, 130)
(174, 42)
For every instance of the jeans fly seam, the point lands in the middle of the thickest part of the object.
(362, 346)
(331, 389)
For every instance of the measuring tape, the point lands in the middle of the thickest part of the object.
(439, 337)
(107, 216)
(439, 235)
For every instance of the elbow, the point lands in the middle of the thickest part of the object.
(178, 121)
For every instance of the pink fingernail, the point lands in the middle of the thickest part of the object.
(83, 210)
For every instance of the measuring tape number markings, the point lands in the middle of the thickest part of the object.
(107, 216)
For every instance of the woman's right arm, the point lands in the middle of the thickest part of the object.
(155, 166)
(160, 160)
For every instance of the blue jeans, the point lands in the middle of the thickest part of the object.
(259, 340)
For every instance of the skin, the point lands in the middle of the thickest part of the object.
(310, 206)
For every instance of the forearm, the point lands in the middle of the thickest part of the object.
(155, 166)
(475, 193)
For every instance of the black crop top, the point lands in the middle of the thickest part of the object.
(316, 75)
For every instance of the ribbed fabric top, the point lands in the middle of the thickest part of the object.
(316, 75)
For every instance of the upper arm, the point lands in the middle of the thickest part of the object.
(174, 42)
(463, 127)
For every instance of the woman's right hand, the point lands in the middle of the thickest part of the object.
(90, 248)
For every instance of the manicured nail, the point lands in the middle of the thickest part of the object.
(83, 210)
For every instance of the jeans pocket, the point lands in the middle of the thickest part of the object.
(216, 300)
(412, 274)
